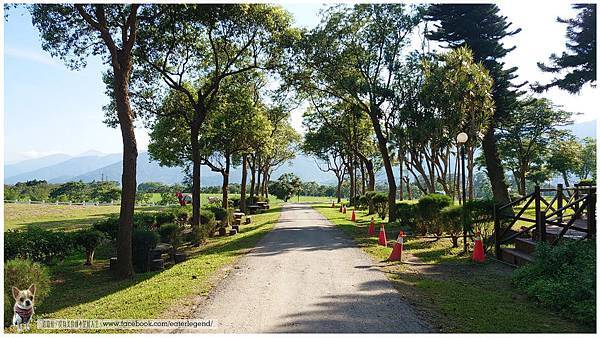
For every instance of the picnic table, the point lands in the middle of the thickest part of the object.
(253, 209)
(263, 205)
(237, 218)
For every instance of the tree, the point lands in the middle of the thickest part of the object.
(564, 158)
(351, 57)
(192, 49)
(524, 139)
(440, 97)
(326, 146)
(481, 28)
(579, 61)
(72, 33)
(588, 159)
(286, 186)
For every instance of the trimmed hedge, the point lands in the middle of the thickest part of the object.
(429, 207)
(38, 245)
(143, 241)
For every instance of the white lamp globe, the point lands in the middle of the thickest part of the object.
(462, 138)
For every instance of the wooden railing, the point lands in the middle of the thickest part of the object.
(572, 204)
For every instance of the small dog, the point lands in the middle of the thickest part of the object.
(23, 307)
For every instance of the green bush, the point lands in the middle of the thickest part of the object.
(429, 212)
(407, 214)
(109, 226)
(143, 241)
(22, 273)
(165, 217)
(38, 245)
(363, 202)
(219, 212)
(563, 277)
(479, 216)
(144, 220)
(369, 198)
(380, 202)
(235, 201)
(451, 218)
(170, 233)
(88, 240)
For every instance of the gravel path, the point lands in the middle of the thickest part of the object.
(307, 276)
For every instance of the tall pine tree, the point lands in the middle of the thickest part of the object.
(579, 61)
(481, 28)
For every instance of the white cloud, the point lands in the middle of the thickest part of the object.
(30, 56)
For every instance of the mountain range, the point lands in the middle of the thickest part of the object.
(60, 168)
(96, 166)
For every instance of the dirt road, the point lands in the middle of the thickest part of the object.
(307, 276)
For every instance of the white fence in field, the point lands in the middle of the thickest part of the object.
(86, 203)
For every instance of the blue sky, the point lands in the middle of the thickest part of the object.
(51, 109)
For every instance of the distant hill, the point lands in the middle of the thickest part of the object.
(63, 171)
(33, 164)
(93, 165)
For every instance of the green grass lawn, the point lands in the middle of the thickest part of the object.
(90, 292)
(448, 290)
(72, 217)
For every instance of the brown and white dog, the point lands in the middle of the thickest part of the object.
(23, 307)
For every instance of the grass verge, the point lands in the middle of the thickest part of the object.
(448, 290)
(90, 292)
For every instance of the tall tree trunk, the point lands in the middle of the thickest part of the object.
(470, 165)
(266, 183)
(362, 178)
(225, 187)
(339, 189)
(522, 185)
(258, 182)
(253, 178)
(565, 178)
(124, 268)
(401, 160)
(387, 164)
(243, 183)
(196, 161)
(495, 171)
(352, 178)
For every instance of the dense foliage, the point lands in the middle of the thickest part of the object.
(22, 273)
(563, 277)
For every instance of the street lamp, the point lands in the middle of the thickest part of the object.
(461, 139)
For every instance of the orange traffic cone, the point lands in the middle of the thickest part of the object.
(353, 216)
(478, 253)
(332, 204)
(341, 207)
(344, 211)
(372, 227)
(382, 237)
(398, 246)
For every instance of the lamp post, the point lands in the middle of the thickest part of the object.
(461, 139)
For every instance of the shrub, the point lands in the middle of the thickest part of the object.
(165, 217)
(451, 218)
(363, 202)
(219, 212)
(562, 277)
(88, 239)
(144, 220)
(109, 226)
(235, 201)
(170, 233)
(479, 216)
(38, 245)
(429, 212)
(369, 196)
(143, 241)
(407, 214)
(380, 202)
(21, 273)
